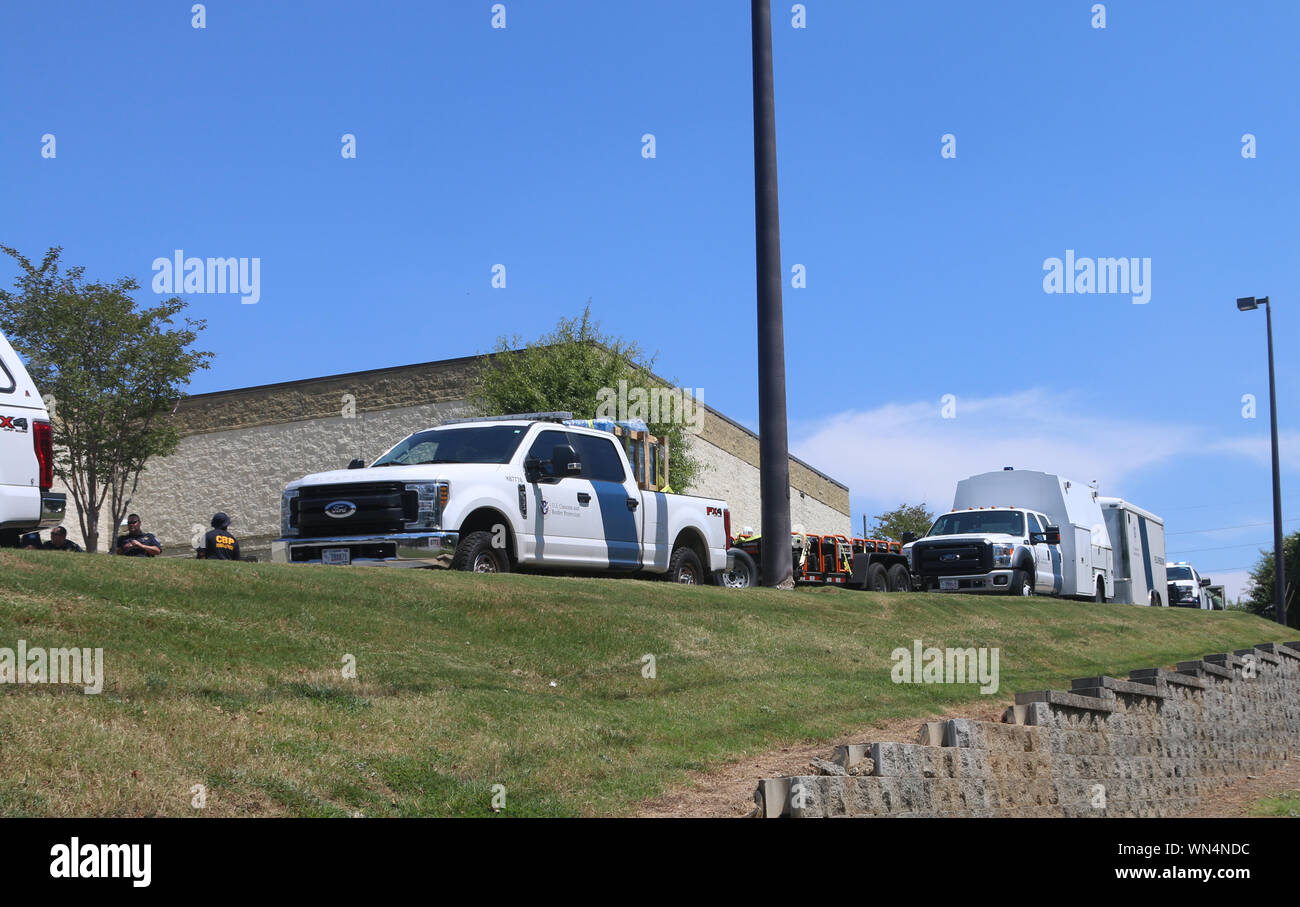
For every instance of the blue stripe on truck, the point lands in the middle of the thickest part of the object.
(1146, 554)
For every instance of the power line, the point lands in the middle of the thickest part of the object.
(1225, 528)
(1227, 504)
(1220, 548)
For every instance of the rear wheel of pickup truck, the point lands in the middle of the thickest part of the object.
(475, 554)
(684, 567)
(742, 576)
(1101, 591)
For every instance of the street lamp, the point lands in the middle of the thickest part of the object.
(1248, 304)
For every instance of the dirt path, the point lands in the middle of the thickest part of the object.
(728, 792)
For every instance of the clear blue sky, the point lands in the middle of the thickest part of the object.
(522, 146)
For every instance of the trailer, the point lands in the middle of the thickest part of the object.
(828, 560)
(1137, 537)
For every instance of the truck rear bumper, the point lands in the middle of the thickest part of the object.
(402, 549)
(993, 581)
(54, 506)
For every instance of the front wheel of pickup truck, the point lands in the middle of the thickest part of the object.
(475, 554)
(684, 567)
(1022, 583)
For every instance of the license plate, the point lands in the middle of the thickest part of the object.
(947, 584)
(336, 556)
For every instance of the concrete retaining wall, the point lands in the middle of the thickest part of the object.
(1152, 745)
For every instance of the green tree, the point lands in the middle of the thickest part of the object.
(1262, 593)
(575, 368)
(116, 373)
(906, 518)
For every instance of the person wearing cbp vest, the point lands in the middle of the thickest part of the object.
(219, 544)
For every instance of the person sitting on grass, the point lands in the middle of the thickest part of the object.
(59, 541)
(137, 543)
(219, 544)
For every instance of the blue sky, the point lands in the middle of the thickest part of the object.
(522, 146)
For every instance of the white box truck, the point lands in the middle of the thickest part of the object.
(1138, 539)
(1019, 532)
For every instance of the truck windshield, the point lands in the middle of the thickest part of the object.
(485, 444)
(1179, 573)
(980, 522)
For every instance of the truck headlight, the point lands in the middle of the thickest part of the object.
(431, 498)
(289, 513)
(1002, 555)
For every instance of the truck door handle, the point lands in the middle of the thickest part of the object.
(631, 503)
(584, 498)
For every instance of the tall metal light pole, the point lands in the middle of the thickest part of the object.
(773, 443)
(1247, 304)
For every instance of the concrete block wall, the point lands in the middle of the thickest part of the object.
(1151, 745)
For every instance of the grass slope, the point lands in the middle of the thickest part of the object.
(229, 675)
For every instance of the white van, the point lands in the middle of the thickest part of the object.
(26, 454)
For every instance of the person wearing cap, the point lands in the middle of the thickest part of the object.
(219, 544)
(59, 541)
(136, 542)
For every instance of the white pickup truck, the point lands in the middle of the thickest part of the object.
(492, 495)
(26, 454)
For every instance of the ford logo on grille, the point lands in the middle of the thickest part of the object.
(340, 509)
(950, 557)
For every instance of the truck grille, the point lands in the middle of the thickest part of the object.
(381, 507)
(953, 558)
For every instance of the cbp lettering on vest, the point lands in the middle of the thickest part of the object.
(220, 544)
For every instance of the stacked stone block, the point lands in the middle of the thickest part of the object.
(1152, 745)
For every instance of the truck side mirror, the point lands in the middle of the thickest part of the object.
(532, 469)
(357, 463)
(564, 461)
(1205, 580)
(1053, 535)
(908, 537)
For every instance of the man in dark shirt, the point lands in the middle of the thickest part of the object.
(59, 541)
(137, 543)
(219, 544)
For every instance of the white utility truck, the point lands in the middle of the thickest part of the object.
(491, 495)
(26, 454)
(1138, 539)
(1018, 532)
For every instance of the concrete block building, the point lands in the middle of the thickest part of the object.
(240, 447)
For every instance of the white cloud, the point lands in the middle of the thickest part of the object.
(908, 452)
(1260, 450)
